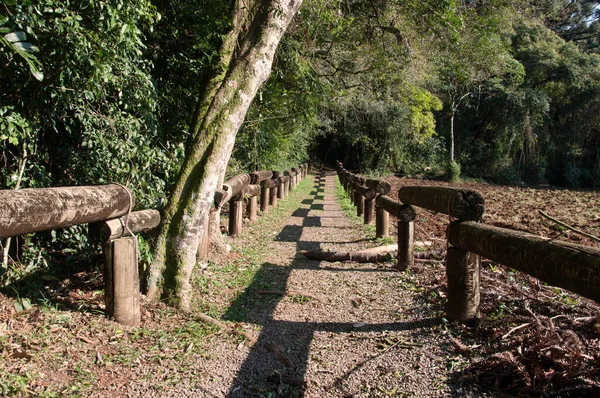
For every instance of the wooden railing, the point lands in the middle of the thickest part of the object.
(108, 211)
(570, 266)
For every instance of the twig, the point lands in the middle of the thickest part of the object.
(209, 319)
(287, 293)
(515, 329)
(567, 226)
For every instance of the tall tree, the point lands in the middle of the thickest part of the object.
(245, 62)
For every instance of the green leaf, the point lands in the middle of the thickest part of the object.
(16, 37)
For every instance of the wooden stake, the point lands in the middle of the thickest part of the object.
(125, 282)
(406, 246)
(369, 207)
(253, 208)
(462, 270)
(264, 199)
(360, 204)
(273, 197)
(235, 217)
(382, 222)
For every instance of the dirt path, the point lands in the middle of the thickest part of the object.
(353, 330)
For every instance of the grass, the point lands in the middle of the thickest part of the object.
(350, 210)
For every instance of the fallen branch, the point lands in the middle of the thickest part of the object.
(374, 254)
(209, 319)
(567, 226)
(515, 329)
(287, 293)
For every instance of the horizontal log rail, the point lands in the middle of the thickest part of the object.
(464, 204)
(30, 210)
(566, 265)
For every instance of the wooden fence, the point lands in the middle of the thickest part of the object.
(108, 211)
(570, 266)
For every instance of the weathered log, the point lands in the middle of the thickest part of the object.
(235, 184)
(464, 204)
(382, 222)
(221, 197)
(29, 210)
(137, 221)
(462, 270)
(122, 281)
(401, 212)
(379, 186)
(269, 183)
(236, 217)
(202, 254)
(259, 176)
(247, 191)
(366, 192)
(406, 245)
(567, 265)
(252, 190)
(381, 253)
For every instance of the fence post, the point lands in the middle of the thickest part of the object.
(406, 244)
(462, 269)
(204, 243)
(253, 208)
(369, 207)
(273, 195)
(382, 222)
(236, 215)
(122, 281)
(359, 201)
(264, 198)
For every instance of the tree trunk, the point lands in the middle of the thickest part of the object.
(246, 58)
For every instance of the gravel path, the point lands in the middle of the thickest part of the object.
(362, 335)
(344, 329)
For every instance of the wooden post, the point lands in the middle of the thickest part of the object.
(273, 196)
(253, 208)
(264, 198)
(202, 254)
(462, 269)
(280, 188)
(406, 245)
(369, 208)
(122, 281)
(382, 222)
(360, 204)
(235, 216)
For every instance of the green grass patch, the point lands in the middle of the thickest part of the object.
(350, 210)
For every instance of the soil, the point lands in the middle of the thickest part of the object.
(322, 329)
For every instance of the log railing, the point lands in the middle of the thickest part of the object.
(570, 266)
(108, 211)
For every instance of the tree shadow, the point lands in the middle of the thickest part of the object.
(277, 363)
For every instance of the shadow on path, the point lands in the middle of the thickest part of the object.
(277, 364)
